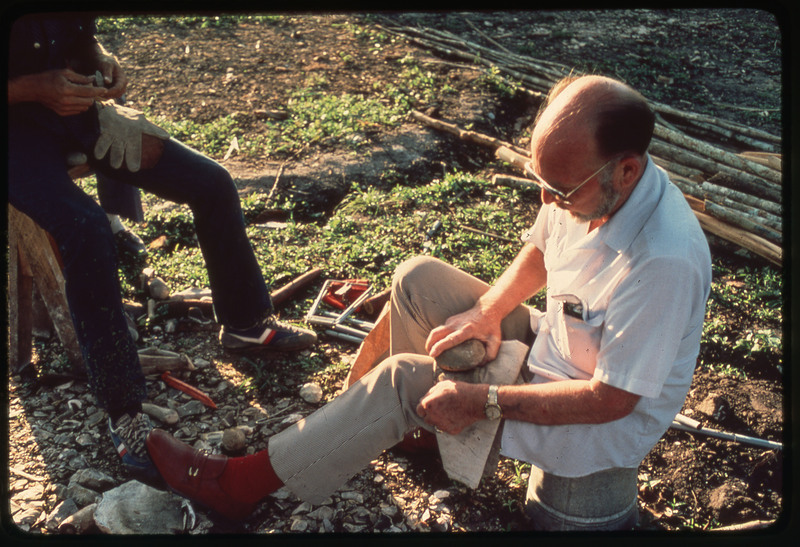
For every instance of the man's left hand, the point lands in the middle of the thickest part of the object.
(453, 406)
(114, 77)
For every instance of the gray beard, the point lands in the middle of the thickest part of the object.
(610, 198)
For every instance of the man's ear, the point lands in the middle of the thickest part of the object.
(632, 169)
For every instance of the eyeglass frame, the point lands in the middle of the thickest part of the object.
(558, 194)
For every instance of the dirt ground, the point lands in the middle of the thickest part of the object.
(204, 73)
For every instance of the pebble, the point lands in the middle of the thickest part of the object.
(299, 525)
(311, 393)
(191, 408)
(81, 495)
(64, 510)
(322, 513)
(234, 439)
(135, 508)
(354, 496)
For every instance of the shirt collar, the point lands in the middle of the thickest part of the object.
(621, 229)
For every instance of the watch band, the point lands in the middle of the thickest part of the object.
(492, 397)
(492, 408)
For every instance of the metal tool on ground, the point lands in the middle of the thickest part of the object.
(339, 294)
(684, 423)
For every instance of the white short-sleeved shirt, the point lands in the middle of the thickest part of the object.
(625, 305)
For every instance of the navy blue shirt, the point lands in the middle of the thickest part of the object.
(40, 42)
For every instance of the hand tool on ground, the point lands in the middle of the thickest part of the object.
(341, 325)
(684, 423)
(341, 293)
(189, 390)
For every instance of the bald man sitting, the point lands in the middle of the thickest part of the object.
(627, 273)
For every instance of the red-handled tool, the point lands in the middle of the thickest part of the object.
(189, 390)
(340, 294)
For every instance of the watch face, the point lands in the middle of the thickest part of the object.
(493, 412)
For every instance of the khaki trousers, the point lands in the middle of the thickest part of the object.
(318, 454)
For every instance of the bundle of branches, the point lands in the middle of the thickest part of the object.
(730, 173)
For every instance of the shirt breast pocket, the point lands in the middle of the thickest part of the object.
(579, 332)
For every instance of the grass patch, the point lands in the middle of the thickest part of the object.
(467, 222)
(744, 320)
(113, 24)
(368, 235)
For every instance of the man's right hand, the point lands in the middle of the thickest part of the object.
(461, 327)
(64, 91)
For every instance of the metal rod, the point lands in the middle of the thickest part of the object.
(367, 325)
(684, 423)
(330, 322)
(356, 303)
(345, 337)
(318, 300)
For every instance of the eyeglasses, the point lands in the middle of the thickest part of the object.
(558, 194)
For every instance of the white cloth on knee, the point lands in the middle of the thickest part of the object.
(465, 456)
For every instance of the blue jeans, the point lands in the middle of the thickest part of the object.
(40, 187)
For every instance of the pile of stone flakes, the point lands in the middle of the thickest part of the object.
(64, 476)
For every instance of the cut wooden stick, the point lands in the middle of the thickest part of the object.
(375, 303)
(703, 148)
(753, 184)
(747, 223)
(284, 293)
(765, 158)
(179, 304)
(508, 155)
(536, 76)
(711, 190)
(743, 238)
(463, 134)
(758, 215)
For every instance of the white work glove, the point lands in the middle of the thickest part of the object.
(122, 130)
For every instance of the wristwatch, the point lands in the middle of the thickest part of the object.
(492, 409)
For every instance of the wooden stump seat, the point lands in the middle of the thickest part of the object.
(33, 261)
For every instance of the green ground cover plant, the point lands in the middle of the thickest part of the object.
(463, 220)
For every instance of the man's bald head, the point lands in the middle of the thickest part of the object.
(596, 114)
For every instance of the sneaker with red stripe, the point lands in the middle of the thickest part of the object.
(129, 436)
(269, 334)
